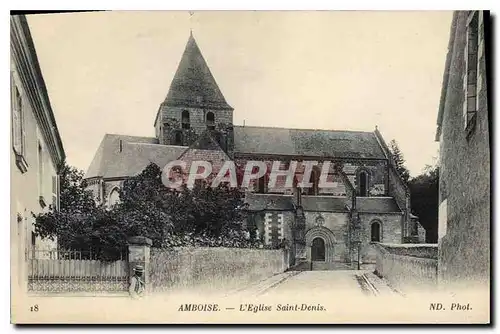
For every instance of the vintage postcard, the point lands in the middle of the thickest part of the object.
(250, 167)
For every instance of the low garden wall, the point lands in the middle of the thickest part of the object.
(212, 269)
(408, 267)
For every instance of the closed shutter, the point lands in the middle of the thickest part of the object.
(471, 66)
(16, 116)
(55, 192)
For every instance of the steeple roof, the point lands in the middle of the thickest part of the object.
(193, 84)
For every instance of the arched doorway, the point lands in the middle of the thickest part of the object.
(318, 249)
(320, 243)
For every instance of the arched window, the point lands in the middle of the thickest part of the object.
(178, 138)
(185, 119)
(262, 184)
(375, 231)
(210, 120)
(363, 181)
(114, 197)
(313, 190)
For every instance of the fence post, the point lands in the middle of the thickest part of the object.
(139, 254)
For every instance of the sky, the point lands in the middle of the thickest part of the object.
(108, 72)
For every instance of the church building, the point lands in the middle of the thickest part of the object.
(326, 228)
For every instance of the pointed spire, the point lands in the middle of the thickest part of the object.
(193, 84)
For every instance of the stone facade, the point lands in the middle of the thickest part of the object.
(464, 185)
(391, 231)
(36, 153)
(182, 126)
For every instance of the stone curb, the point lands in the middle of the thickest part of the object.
(281, 280)
(381, 284)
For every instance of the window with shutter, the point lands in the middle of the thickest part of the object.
(471, 73)
(55, 192)
(18, 129)
(41, 176)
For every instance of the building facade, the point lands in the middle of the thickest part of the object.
(36, 153)
(464, 137)
(366, 201)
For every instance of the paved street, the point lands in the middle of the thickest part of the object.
(321, 283)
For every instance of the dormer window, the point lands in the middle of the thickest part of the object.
(210, 121)
(185, 119)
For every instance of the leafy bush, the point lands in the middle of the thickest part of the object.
(203, 216)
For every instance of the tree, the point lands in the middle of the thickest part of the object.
(74, 197)
(80, 224)
(203, 216)
(146, 206)
(75, 205)
(424, 200)
(399, 161)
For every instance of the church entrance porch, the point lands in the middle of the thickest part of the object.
(320, 245)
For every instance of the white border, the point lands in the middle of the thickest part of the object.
(192, 5)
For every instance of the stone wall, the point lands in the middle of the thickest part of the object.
(407, 268)
(169, 119)
(390, 232)
(464, 185)
(212, 270)
(279, 226)
(377, 171)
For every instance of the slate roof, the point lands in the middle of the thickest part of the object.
(258, 202)
(298, 142)
(377, 204)
(193, 84)
(325, 203)
(136, 153)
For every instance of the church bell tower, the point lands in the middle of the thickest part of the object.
(194, 105)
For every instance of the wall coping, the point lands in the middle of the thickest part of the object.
(414, 258)
(430, 251)
(387, 245)
(139, 240)
(204, 248)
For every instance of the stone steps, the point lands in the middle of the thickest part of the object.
(321, 265)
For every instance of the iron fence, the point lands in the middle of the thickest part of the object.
(75, 271)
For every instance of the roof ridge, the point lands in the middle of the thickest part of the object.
(122, 135)
(299, 129)
(157, 144)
